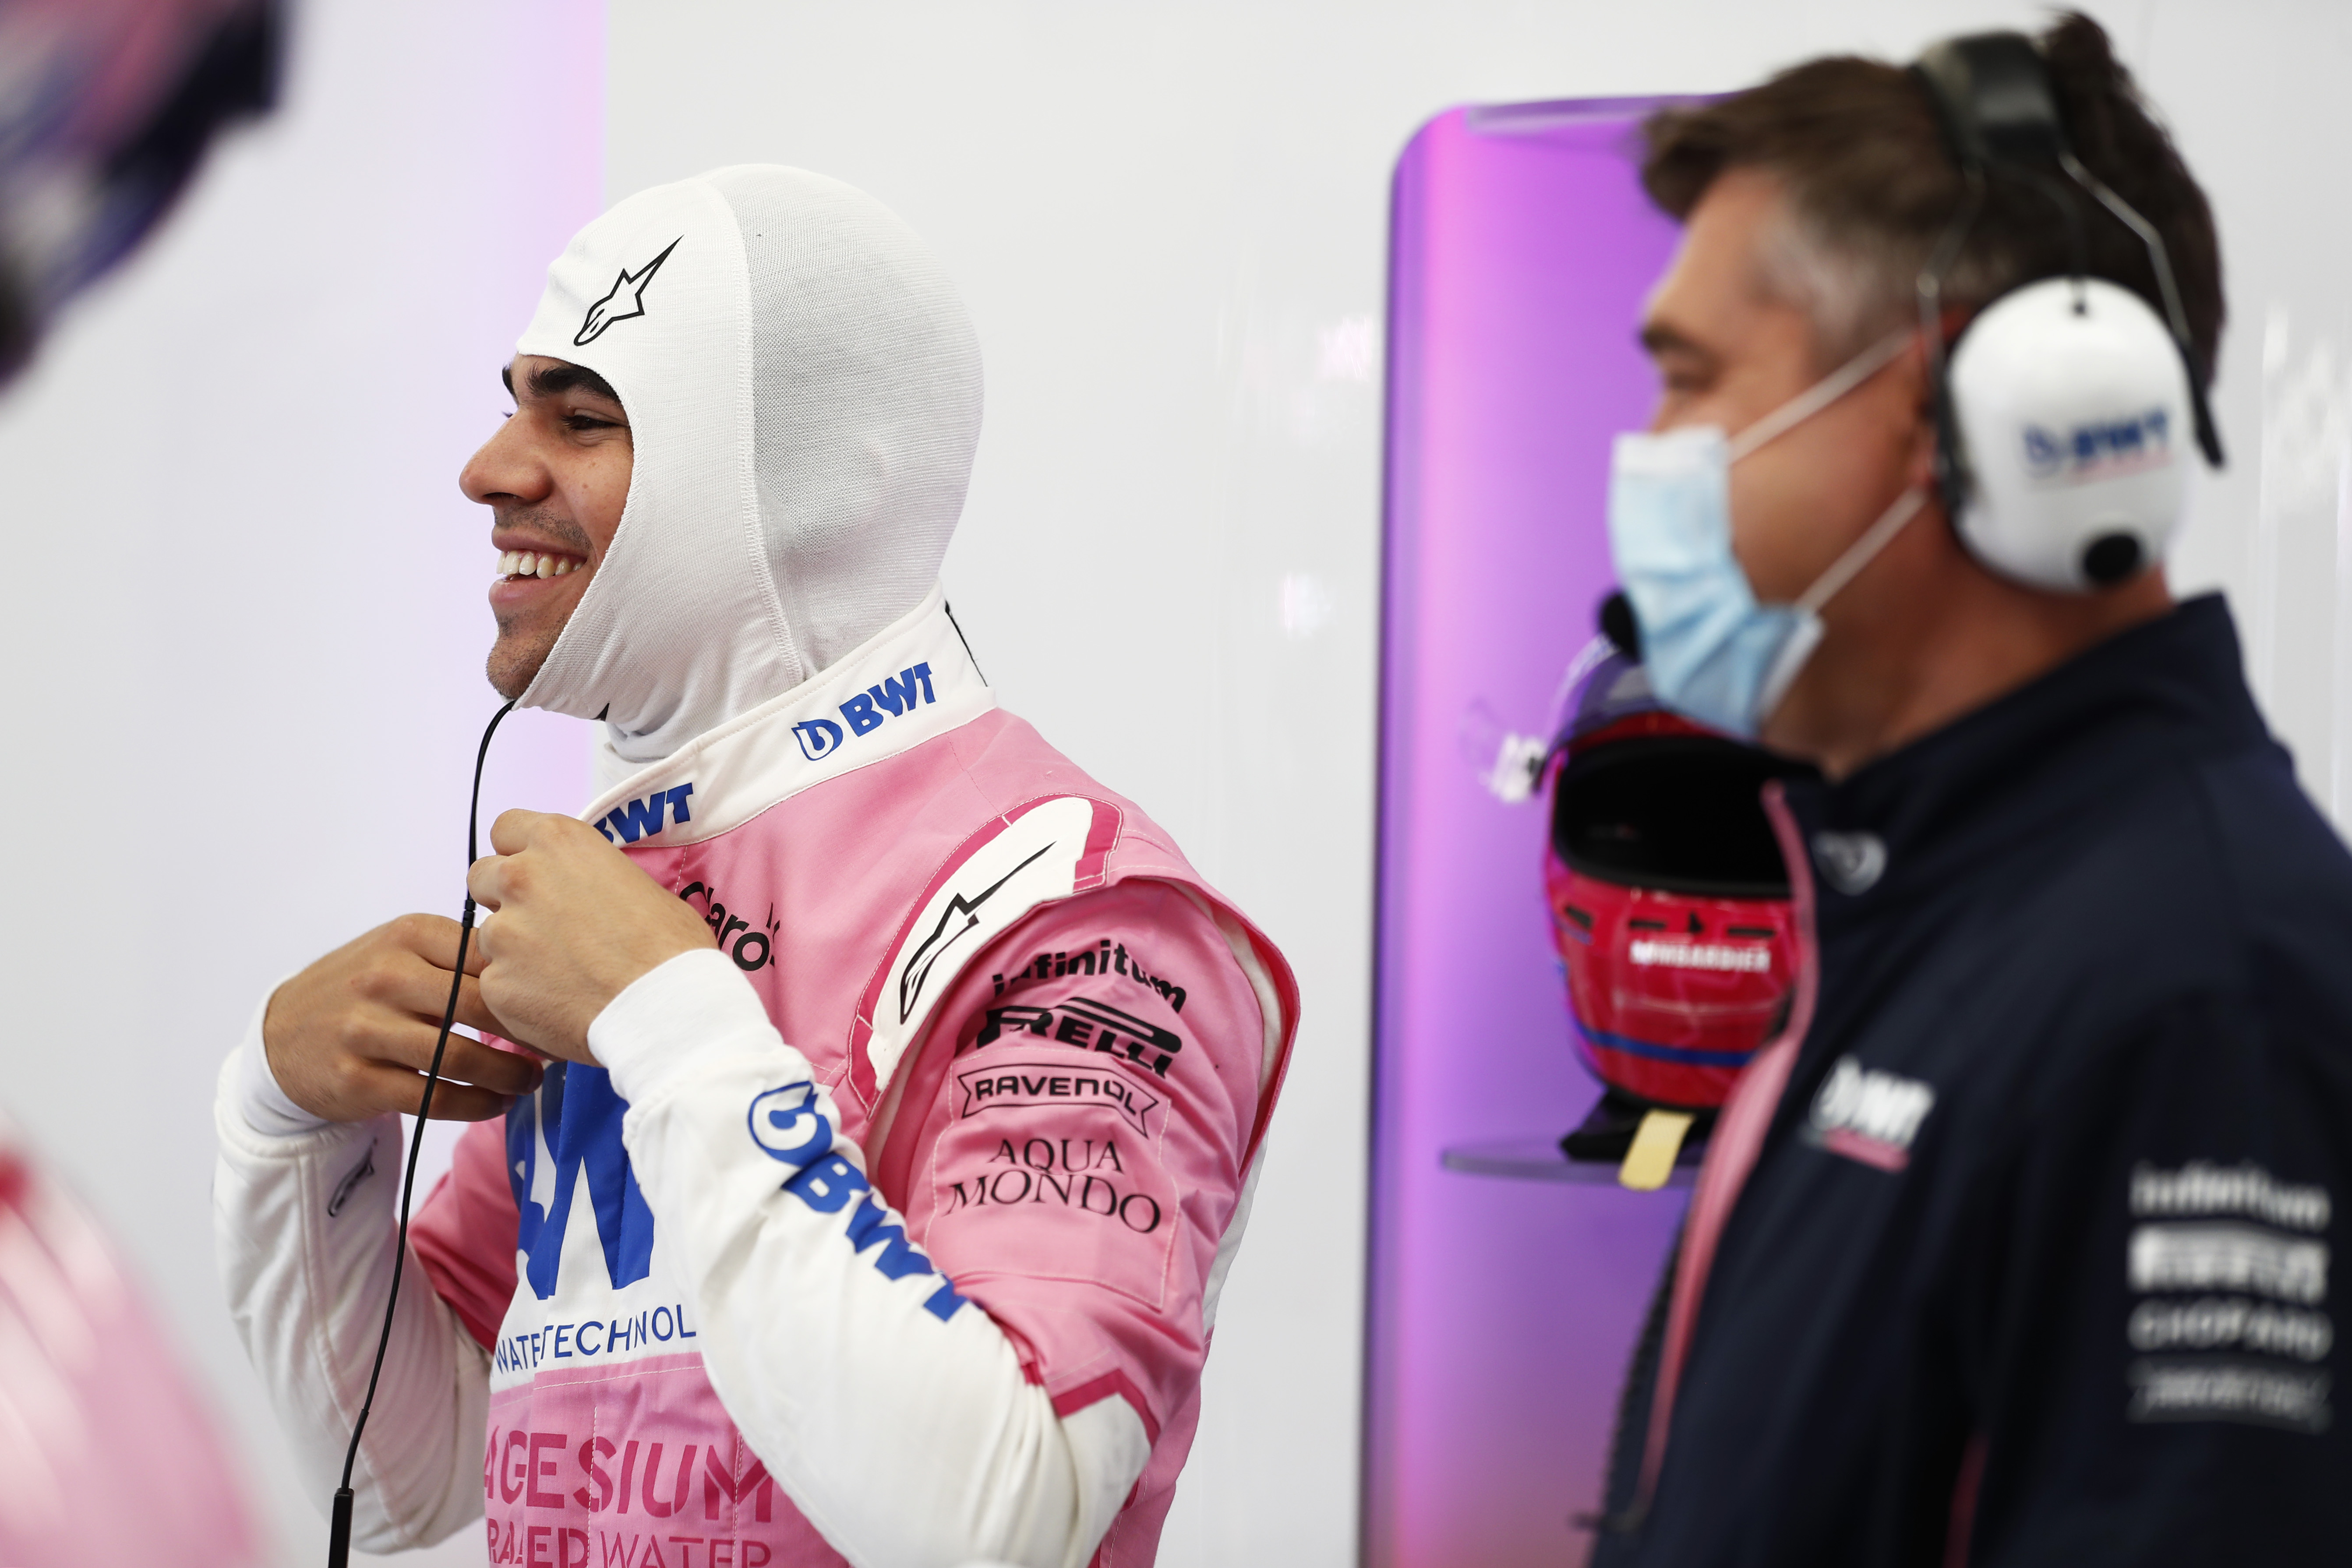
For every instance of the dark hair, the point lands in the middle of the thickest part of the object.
(1871, 180)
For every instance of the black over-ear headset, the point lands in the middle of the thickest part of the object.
(2062, 407)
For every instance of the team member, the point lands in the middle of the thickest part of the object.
(907, 1083)
(2014, 1248)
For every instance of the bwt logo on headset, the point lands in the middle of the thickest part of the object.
(863, 713)
(2100, 447)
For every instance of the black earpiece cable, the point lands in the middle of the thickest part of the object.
(339, 1531)
(2209, 434)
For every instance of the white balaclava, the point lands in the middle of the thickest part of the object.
(803, 386)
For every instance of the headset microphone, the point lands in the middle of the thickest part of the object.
(339, 1529)
(2063, 407)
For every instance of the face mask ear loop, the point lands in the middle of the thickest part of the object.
(1819, 395)
(1863, 550)
(1808, 634)
(338, 1526)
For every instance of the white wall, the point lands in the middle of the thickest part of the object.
(1170, 222)
(242, 615)
(241, 612)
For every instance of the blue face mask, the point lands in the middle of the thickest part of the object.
(1713, 653)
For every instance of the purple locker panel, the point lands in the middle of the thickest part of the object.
(1501, 1310)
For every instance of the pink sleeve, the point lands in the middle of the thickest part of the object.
(1069, 1146)
(108, 1444)
(464, 1236)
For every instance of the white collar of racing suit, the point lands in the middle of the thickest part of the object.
(909, 683)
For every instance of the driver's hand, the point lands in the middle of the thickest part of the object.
(350, 1038)
(577, 922)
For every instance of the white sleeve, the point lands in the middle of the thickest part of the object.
(303, 1226)
(896, 1414)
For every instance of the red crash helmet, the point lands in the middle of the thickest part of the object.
(1669, 901)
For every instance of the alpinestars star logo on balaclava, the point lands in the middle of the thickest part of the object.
(601, 314)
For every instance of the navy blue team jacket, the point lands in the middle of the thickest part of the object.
(2036, 1265)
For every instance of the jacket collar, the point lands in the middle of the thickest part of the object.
(910, 682)
(2168, 691)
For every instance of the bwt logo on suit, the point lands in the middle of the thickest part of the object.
(865, 712)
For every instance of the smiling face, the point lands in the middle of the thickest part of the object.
(555, 476)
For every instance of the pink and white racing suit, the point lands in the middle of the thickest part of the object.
(892, 1228)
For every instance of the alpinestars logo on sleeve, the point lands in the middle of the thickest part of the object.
(918, 972)
(612, 308)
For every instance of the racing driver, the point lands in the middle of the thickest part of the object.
(902, 1087)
